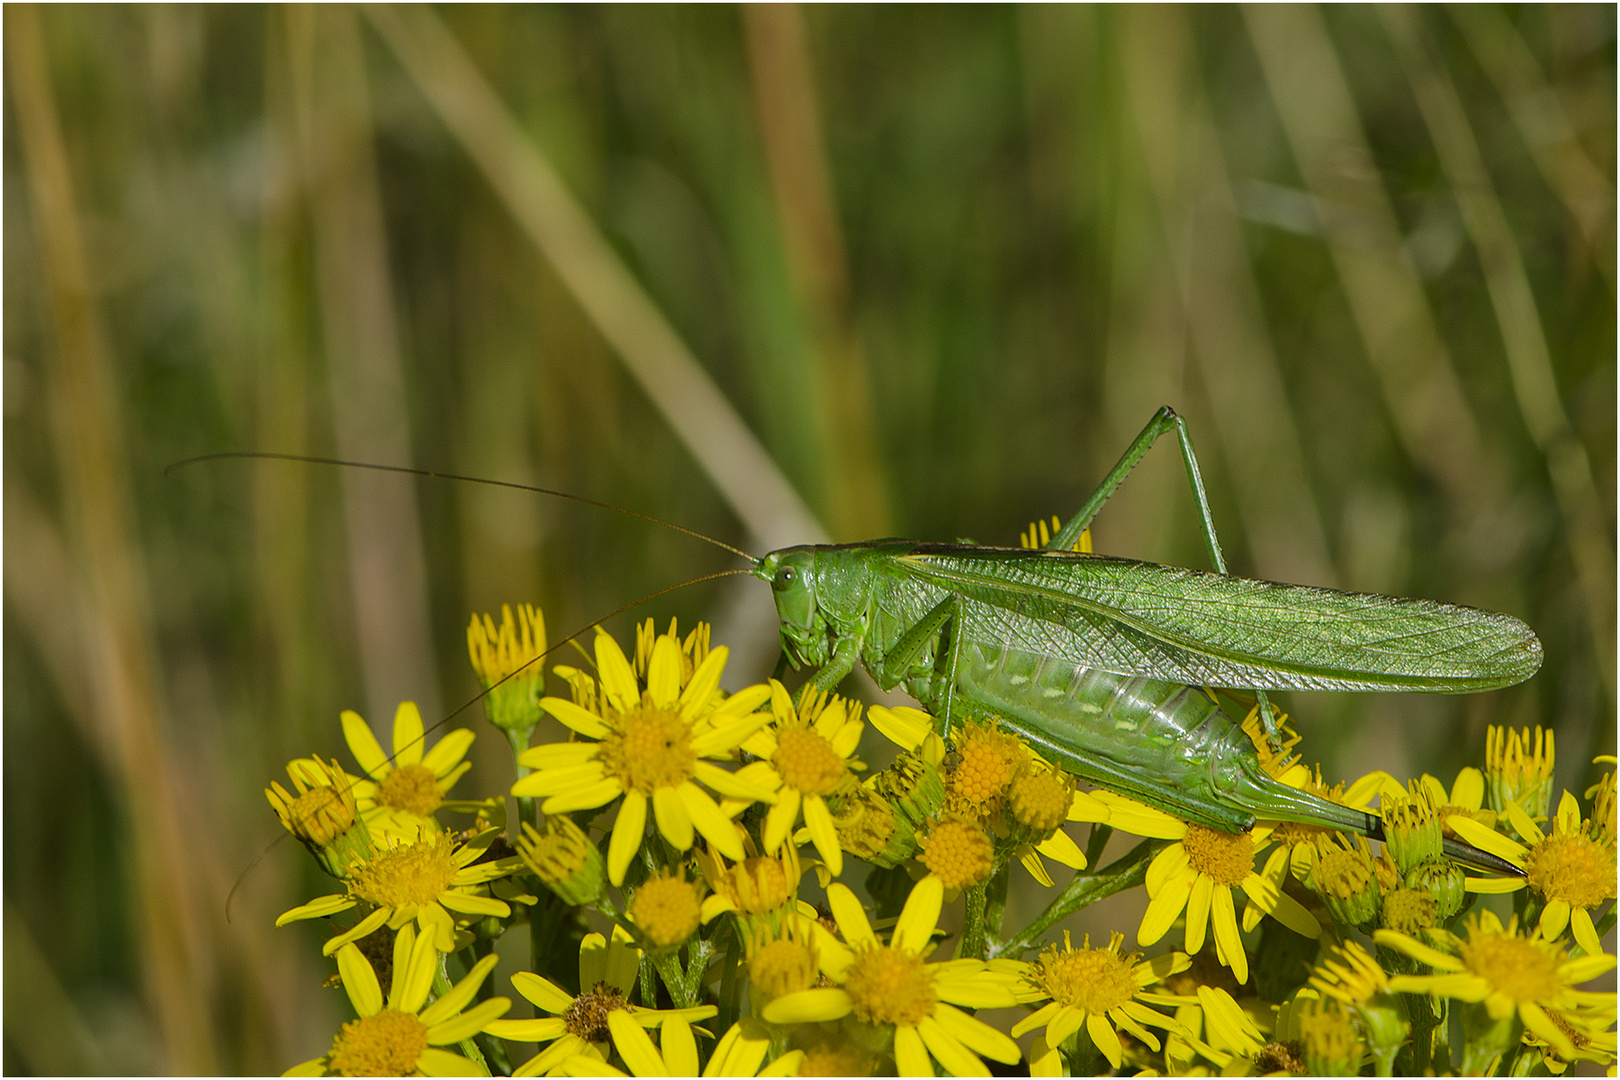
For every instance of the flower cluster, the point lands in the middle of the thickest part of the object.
(713, 882)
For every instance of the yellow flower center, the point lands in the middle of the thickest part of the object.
(1222, 857)
(412, 789)
(666, 909)
(758, 885)
(808, 762)
(1522, 970)
(1407, 910)
(587, 1017)
(408, 875)
(989, 761)
(382, 1044)
(1343, 873)
(1095, 980)
(890, 986)
(1573, 868)
(960, 853)
(320, 815)
(651, 749)
(1040, 800)
(783, 966)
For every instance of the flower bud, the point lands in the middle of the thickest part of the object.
(562, 856)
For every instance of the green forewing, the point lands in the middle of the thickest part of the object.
(1205, 629)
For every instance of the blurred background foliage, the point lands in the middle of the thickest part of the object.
(906, 270)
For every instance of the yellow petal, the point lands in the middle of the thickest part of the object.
(448, 752)
(572, 716)
(542, 992)
(819, 821)
(920, 915)
(1536, 1019)
(408, 736)
(673, 821)
(1167, 864)
(623, 960)
(905, 727)
(808, 1006)
(704, 682)
(630, 1040)
(1469, 790)
(850, 916)
(781, 818)
(1586, 934)
(664, 672)
(679, 1047)
(618, 679)
(957, 1059)
(436, 1062)
(593, 954)
(1163, 909)
(363, 744)
(1280, 906)
(1060, 847)
(583, 798)
(1417, 950)
(359, 980)
(410, 986)
(1107, 1040)
(456, 1027)
(628, 829)
(1488, 839)
(1032, 863)
(1198, 901)
(715, 826)
(974, 1034)
(1226, 934)
(910, 1056)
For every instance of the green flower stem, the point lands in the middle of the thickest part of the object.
(685, 984)
(648, 984)
(996, 900)
(1127, 871)
(469, 1048)
(973, 945)
(528, 809)
(1096, 842)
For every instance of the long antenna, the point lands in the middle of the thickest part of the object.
(270, 455)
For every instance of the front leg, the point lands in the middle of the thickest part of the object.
(898, 660)
(846, 650)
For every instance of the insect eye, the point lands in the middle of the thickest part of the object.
(785, 578)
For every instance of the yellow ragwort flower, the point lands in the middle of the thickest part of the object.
(398, 1036)
(424, 881)
(894, 987)
(398, 794)
(1098, 989)
(1198, 873)
(584, 1023)
(805, 758)
(1571, 867)
(647, 748)
(1509, 972)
